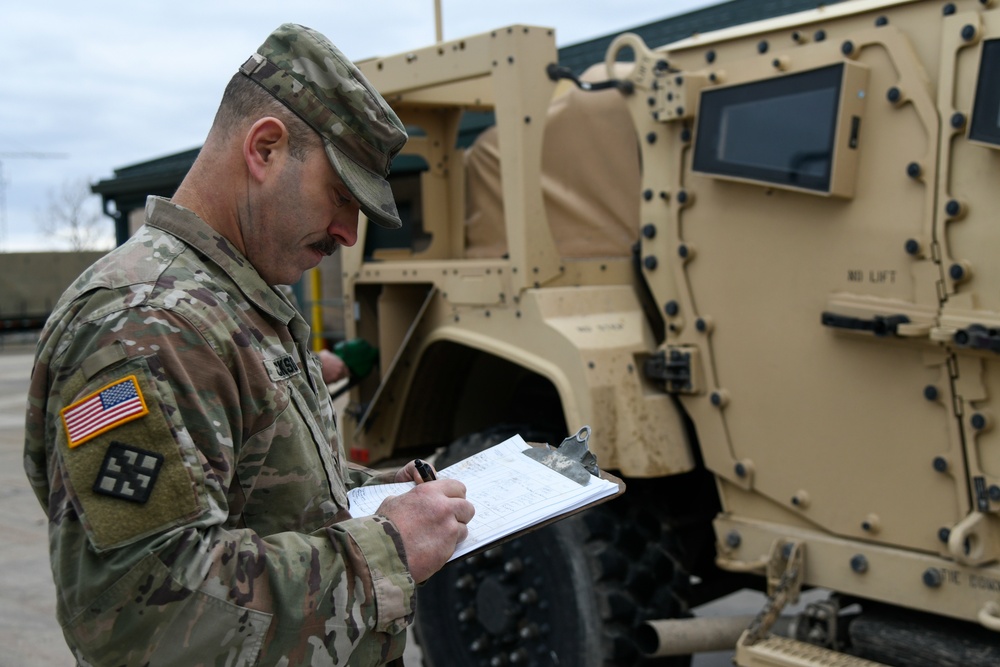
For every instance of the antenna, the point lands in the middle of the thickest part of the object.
(16, 155)
(438, 29)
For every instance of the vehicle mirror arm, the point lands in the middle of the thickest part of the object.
(556, 72)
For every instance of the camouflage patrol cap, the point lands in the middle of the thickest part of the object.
(361, 133)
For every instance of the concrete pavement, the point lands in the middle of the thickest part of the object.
(29, 634)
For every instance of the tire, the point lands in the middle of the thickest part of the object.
(570, 594)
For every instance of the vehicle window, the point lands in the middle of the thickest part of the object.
(780, 130)
(985, 125)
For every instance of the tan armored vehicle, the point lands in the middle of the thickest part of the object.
(763, 265)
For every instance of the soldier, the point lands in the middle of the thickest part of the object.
(179, 433)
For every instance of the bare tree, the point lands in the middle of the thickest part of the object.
(73, 216)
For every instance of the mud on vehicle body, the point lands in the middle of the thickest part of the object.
(760, 264)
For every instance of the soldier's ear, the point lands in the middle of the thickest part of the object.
(264, 146)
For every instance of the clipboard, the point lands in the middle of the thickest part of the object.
(547, 522)
(513, 493)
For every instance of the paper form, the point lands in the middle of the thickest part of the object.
(509, 491)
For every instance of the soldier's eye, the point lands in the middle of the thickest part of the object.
(341, 199)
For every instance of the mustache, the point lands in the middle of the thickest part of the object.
(327, 246)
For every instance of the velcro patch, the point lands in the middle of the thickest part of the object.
(175, 493)
(281, 368)
(128, 473)
(110, 406)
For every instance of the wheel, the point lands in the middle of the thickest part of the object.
(569, 594)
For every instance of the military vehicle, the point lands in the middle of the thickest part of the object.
(25, 305)
(761, 265)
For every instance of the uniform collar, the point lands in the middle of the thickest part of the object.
(188, 227)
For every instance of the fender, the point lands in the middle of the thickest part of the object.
(587, 342)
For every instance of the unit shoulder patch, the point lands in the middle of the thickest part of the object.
(128, 472)
(134, 477)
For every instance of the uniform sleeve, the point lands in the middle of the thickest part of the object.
(158, 439)
(362, 476)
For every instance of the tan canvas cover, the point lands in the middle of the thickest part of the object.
(590, 178)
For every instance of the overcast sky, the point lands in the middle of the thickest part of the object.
(97, 85)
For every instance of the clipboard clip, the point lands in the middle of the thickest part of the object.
(572, 458)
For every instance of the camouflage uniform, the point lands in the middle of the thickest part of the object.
(206, 524)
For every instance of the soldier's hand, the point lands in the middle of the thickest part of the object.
(334, 368)
(431, 519)
(408, 473)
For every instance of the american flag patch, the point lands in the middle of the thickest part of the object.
(108, 407)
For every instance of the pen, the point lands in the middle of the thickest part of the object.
(426, 472)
